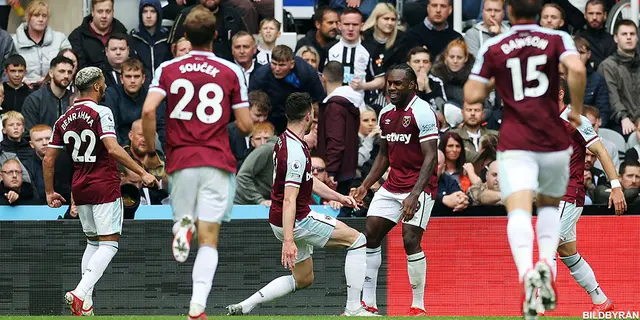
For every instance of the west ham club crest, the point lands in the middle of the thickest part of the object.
(406, 121)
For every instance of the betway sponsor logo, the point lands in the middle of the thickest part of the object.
(398, 137)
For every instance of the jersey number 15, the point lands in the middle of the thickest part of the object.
(532, 74)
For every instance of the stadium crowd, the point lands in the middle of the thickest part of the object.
(340, 63)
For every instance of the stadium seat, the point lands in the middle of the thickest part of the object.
(632, 141)
(616, 138)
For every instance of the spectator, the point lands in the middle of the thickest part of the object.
(338, 126)
(13, 130)
(90, 38)
(7, 48)
(369, 134)
(453, 66)
(326, 22)
(155, 165)
(381, 35)
(47, 104)
(552, 16)
(364, 6)
(13, 190)
(435, 33)
(359, 71)
(243, 49)
(228, 22)
(449, 193)
(589, 188)
(252, 11)
(180, 48)
(598, 177)
(593, 114)
(430, 87)
(487, 193)
(601, 42)
(259, 109)
(634, 152)
(255, 177)
(269, 33)
(287, 74)
(117, 52)
(73, 56)
(596, 92)
(126, 99)
(319, 170)
(261, 133)
(37, 43)
(487, 153)
(472, 130)
(149, 40)
(310, 55)
(621, 71)
(1, 100)
(5, 10)
(15, 90)
(492, 24)
(630, 182)
(451, 145)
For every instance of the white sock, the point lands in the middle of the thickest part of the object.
(548, 232)
(355, 267)
(273, 290)
(96, 267)
(584, 276)
(204, 268)
(92, 247)
(520, 234)
(417, 268)
(374, 260)
(554, 267)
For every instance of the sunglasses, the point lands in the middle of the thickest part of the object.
(320, 170)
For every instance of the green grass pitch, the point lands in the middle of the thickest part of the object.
(257, 318)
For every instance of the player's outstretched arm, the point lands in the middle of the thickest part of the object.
(380, 166)
(116, 151)
(617, 196)
(577, 80)
(48, 163)
(476, 91)
(322, 190)
(149, 108)
(243, 120)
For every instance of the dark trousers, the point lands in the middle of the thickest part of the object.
(343, 188)
(4, 17)
(252, 12)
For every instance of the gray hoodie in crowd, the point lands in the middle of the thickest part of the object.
(479, 34)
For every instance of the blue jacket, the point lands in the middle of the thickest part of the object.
(597, 94)
(126, 110)
(302, 78)
(152, 49)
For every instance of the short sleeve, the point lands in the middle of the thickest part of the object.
(567, 46)
(426, 122)
(481, 70)
(383, 112)
(239, 95)
(106, 126)
(587, 132)
(296, 164)
(157, 84)
(56, 140)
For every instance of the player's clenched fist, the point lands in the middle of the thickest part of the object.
(289, 254)
(55, 200)
(149, 180)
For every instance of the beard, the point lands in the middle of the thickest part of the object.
(102, 92)
(61, 83)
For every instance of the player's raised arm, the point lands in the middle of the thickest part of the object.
(617, 196)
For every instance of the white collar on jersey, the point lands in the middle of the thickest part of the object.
(525, 26)
(201, 53)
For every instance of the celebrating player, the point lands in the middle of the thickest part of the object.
(201, 90)
(534, 149)
(96, 183)
(299, 228)
(409, 144)
(573, 201)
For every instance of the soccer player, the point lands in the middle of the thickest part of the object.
(299, 228)
(533, 150)
(409, 145)
(202, 90)
(87, 131)
(582, 138)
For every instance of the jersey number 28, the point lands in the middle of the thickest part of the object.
(532, 74)
(85, 136)
(205, 101)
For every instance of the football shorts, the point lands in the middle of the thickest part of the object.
(101, 219)
(388, 205)
(569, 215)
(312, 231)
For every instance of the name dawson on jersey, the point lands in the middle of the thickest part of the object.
(398, 137)
(203, 67)
(519, 43)
(76, 116)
